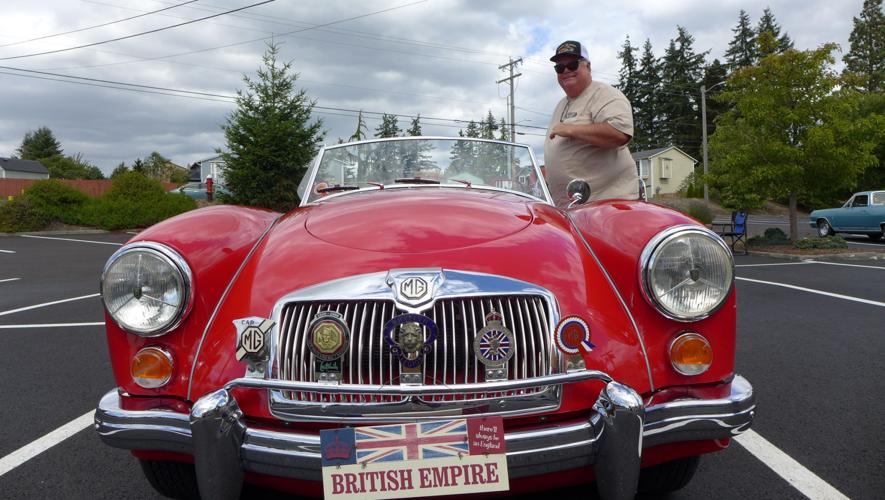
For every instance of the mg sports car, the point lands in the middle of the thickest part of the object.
(426, 322)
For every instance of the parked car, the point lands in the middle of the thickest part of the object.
(409, 300)
(197, 190)
(863, 213)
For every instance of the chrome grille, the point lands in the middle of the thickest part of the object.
(368, 359)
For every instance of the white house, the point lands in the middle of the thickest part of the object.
(212, 166)
(663, 170)
(13, 168)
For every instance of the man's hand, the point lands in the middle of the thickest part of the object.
(600, 135)
(561, 129)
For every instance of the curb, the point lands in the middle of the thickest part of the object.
(823, 257)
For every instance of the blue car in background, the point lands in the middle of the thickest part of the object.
(863, 213)
(197, 190)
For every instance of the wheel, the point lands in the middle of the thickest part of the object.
(668, 476)
(824, 229)
(875, 236)
(172, 479)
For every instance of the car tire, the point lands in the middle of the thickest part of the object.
(668, 476)
(172, 479)
(824, 229)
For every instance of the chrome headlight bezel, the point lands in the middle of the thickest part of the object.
(649, 258)
(176, 262)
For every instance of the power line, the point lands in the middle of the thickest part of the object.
(97, 25)
(134, 35)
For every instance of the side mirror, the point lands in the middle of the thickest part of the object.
(578, 191)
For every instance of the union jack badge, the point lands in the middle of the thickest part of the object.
(493, 346)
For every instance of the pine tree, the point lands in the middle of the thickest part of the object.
(681, 74)
(503, 131)
(388, 126)
(767, 24)
(361, 129)
(742, 48)
(488, 126)
(865, 62)
(270, 138)
(415, 127)
(627, 76)
(646, 131)
(39, 144)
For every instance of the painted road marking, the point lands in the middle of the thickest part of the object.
(821, 292)
(9, 279)
(42, 444)
(865, 244)
(71, 239)
(807, 482)
(844, 264)
(6, 251)
(51, 325)
(776, 264)
(27, 308)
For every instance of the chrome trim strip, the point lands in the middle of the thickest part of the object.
(617, 292)
(230, 284)
(172, 258)
(646, 260)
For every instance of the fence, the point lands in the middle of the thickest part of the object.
(15, 187)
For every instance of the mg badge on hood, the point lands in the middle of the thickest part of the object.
(493, 346)
(328, 340)
(253, 335)
(410, 345)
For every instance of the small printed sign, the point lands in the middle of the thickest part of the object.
(415, 459)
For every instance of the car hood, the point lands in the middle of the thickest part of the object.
(417, 220)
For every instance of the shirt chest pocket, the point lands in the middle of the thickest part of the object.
(576, 116)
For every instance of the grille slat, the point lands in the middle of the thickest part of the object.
(451, 360)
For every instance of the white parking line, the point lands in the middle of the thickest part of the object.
(776, 264)
(844, 264)
(9, 279)
(7, 251)
(20, 309)
(865, 244)
(807, 482)
(50, 325)
(42, 444)
(811, 290)
(71, 239)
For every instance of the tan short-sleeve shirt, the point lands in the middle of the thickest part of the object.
(611, 172)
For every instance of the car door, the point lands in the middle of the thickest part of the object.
(857, 215)
(877, 210)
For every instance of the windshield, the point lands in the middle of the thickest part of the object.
(463, 163)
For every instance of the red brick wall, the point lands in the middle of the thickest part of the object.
(15, 187)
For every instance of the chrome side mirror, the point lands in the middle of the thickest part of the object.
(578, 191)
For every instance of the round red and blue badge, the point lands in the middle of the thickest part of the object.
(573, 336)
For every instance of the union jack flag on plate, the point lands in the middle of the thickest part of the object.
(412, 441)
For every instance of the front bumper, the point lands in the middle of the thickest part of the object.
(611, 439)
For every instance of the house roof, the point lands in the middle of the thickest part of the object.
(641, 155)
(16, 165)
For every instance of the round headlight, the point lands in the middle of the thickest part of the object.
(146, 288)
(686, 272)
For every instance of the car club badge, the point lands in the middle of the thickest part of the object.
(573, 337)
(405, 337)
(253, 335)
(328, 340)
(493, 346)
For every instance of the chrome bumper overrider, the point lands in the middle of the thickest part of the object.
(611, 439)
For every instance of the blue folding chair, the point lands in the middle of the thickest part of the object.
(736, 231)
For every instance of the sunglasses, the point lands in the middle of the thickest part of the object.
(572, 66)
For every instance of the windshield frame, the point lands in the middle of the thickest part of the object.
(310, 176)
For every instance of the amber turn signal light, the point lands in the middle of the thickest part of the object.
(691, 354)
(151, 367)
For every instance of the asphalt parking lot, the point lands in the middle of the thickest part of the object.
(811, 339)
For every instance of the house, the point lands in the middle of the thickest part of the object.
(663, 170)
(212, 166)
(13, 168)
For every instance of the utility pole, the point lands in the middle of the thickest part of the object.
(510, 99)
(704, 140)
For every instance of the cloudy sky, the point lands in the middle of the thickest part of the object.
(439, 58)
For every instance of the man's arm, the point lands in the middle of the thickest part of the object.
(601, 135)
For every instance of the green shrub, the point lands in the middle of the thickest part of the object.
(700, 211)
(827, 242)
(772, 236)
(54, 200)
(133, 201)
(19, 215)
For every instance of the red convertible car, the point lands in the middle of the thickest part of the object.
(426, 322)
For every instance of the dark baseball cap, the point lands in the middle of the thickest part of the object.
(571, 47)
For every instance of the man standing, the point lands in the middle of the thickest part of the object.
(589, 131)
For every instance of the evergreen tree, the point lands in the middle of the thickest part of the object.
(119, 170)
(503, 131)
(415, 127)
(767, 24)
(628, 82)
(865, 62)
(681, 76)
(361, 129)
(473, 130)
(388, 126)
(269, 138)
(646, 107)
(741, 50)
(488, 126)
(714, 75)
(138, 166)
(39, 144)
(71, 167)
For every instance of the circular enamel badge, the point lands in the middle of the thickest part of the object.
(573, 335)
(493, 345)
(410, 346)
(328, 336)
